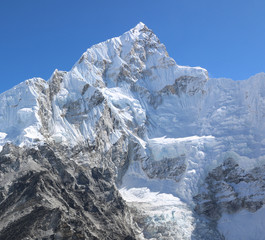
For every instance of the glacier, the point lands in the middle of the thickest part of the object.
(163, 129)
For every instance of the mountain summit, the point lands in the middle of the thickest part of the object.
(132, 141)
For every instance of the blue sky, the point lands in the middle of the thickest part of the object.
(225, 37)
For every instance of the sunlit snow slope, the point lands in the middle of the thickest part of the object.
(173, 124)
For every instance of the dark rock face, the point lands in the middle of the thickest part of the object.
(181, 86)
(44, 194)
(167, 168)
(229, 188)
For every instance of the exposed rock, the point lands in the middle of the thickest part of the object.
(46, 195)
(229, 188)
(185, 85)
(167, 168)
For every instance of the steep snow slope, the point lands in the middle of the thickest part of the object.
(133, 66)
(19, 119)
(158, 126)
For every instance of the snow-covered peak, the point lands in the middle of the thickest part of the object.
(164, 125)
(140, 31)
(140, 26)
(136, 58)
(134, 76)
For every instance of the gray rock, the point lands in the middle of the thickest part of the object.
(46, 195)
(229, 188)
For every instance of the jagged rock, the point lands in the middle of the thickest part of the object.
(46, 195)
(167, 168)
(224, 193)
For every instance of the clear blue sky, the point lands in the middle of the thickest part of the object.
(227, 37)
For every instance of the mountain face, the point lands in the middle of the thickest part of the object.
(130, 145)
(46, 195)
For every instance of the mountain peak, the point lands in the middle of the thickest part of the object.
(179, 146)
(140, 26)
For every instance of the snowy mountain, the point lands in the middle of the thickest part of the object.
(185, 152)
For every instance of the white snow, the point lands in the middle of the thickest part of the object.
(173, 147)
(164, 211)
(198, 163)
(2, 135)
(204, 120)
(243, 225)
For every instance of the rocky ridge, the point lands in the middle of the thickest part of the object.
(45, 194)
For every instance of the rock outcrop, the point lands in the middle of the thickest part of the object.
(45, 194)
